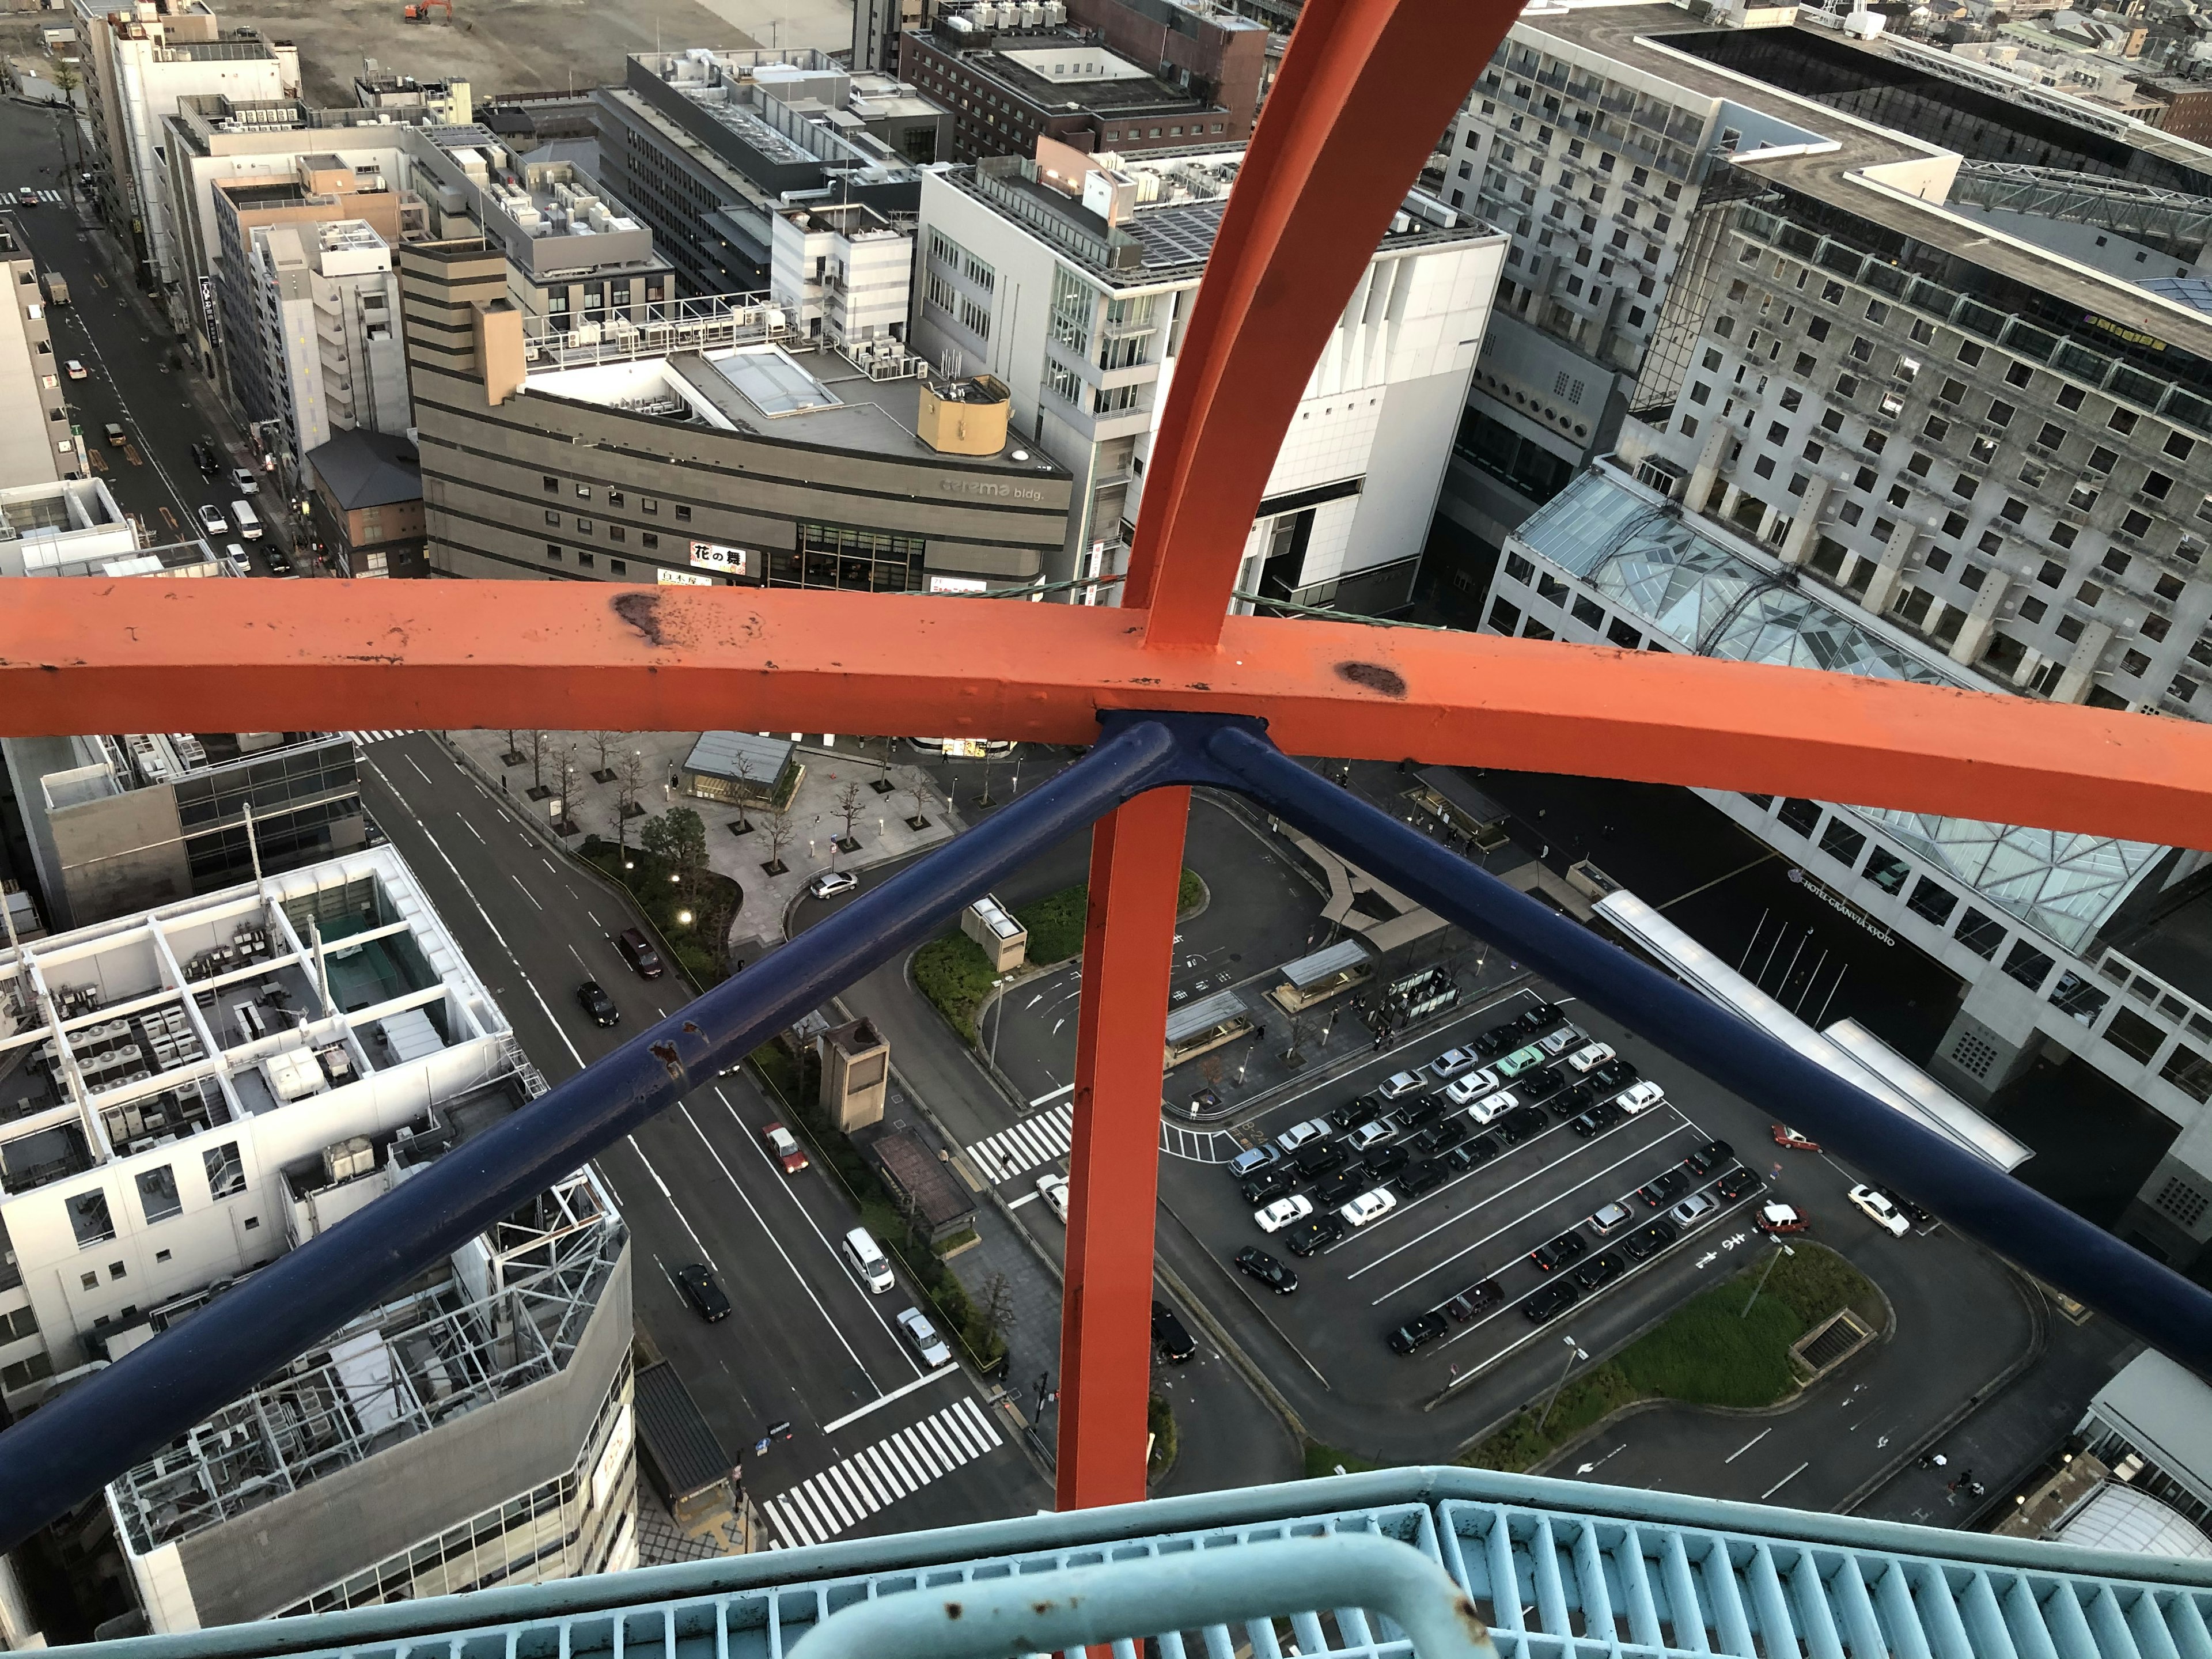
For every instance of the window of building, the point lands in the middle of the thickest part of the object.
(974, 316)
(2101, 459)
(2077, 998)
(88, 1217)
(552, 484)
(648, 504)
(1931, 901)
(2188, 1071)
(682, 514)
(1979, 934)
(1886, 870)
(615, 498)
(2030, 966)
(157, 1194)
(225, 1175)
(117, 1270)
(1504, 616)
(1587, 611)
(552, 518)
(1622, 635)
(1519, 568)
(855, 561)
(1842, 842)
(553, 552)
(648, 539)
(2001, 412)
(2134, 1035)
(586, 559)
(583, 492)
(1801, 815)
(2070, 397)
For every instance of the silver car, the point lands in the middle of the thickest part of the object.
(923, 1334)
(1450, 1063)
(1696, 1205)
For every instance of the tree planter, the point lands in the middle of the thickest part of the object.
(775, 867)
(603, 775)
(845, 843)
(917, 822)
(739, 827)
(515, 757)
(882, 785)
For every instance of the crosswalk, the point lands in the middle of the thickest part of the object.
(1032, 1141)
(895, 1467)
(1199, 1145)
(49, 194)
(367, 738)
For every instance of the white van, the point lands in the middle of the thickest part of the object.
(868, 1259)
(248, 522)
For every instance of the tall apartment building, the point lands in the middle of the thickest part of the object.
(1880, 428)
(709, 146)
(325, 304)
(708, 446)
(142, 60)
(1071, 278)
(190, 1092)
(842, 271)
(278, 163)
(37, 446)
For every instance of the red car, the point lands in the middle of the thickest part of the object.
(1779, 1218)
(1785, 1136)
(784, 1146)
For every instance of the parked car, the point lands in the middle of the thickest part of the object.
(1401, 1083)
(1878, 1210)
(1256, 1263)
(77, 370)
(1475, 1086)
(1313, 1129)
(640, 956)
(1265, 1187)
(1254, 1160)
(1522, 1122)
(1521, 1060)
(1736, 1183)
(1450, 1063)
(210, 517)
(205, 458)
(1664, 1189)
(927, 1344)
(1691, 1209)
(1500, 1039)
(1317, 1233)
(1423, 1177)
(1417, 1332)
(1169, 1337)
(597, 1005)
(1382, 1165)
(1713, 1155)
(1313, 1162)
(1640, 1096)
(1651, 1239)
(1569, 1246)
(1600, 1270)
(1596, 1120)
(1614, 1075)
(1371, 1205)
(1538, 1018)
(784, 1147)
(1790, 1140)
(1372, 1135)
(1548, 1304)
(1913, 1212)
(1778, 1218)
(1359, 1110)
(1342, 1187)
(1475, 1301)
(1609, 1217)
(830, 883)
(1053, 1189)
(696, 1285)
(1473, 1154)
(1558, 1042)
(1589, 1056)
(1420, 1112)
(245, 480)
(1538, 1085)
(1282, 1211)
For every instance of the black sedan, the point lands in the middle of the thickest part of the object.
(1475, 1300)
(1647, 1241)
(1602, 1270)
(1663, 1190)
(1548, 1304)
(1314, 1233)
(1424, 1177)
(1736, 1183)
(1616, 1073)
(1258, 1264)
(597, 1004)
(1416, 1332)
(697, 1286)
(1262, 1189)
(1539, 1019)
(1713, 1155)
(1382, 1165)
(1567, 1247)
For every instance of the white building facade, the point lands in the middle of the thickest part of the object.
(327, 306)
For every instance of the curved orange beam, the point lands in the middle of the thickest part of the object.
(1363, 91)
(81, 655)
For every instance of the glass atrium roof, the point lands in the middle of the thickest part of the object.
(1653, 560)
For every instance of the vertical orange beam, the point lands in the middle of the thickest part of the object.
(1105, 1329)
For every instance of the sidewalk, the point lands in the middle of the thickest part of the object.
(880, 827)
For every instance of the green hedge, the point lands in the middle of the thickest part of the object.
(953, 973)
(1160, 1418)
(1706, 1352)
(794, 1081)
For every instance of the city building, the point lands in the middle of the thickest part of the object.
(1012, 80)
(842, 271)
(1070, 279)
(191, 1090)
(1885, 429)
(365, 490)
(230, 166)
(710, 146)
(142, 60)
(43, 449)
(442, 103)
(326, 304)
(1199, 45)
(708, 446)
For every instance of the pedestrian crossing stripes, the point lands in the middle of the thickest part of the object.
(49, 194)
(367, 738)
(1032, 1141)
(897, 1466)
(1199, 1145)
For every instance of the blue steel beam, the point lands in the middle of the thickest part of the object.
(67, 1449)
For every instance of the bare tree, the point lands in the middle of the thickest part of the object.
(563, 754)
(512, 752)
(849, 808)
(913, 792)
(744, 771)
(881, 783)
(536, 760)
(629, 782)
(777, 822)
(607, 743)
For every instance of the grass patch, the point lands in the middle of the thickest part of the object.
(702, 947)
(1706, 1352)
(1159, 1417)
(1324, 1460)
(794, 1082)
(952, 972)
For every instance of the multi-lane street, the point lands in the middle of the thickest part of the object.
(806, 1343)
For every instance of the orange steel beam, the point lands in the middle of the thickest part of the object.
(81, 655)
(1365, 89)
(1105, 1331)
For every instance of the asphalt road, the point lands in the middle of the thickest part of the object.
(806, 1343)
(116, 335)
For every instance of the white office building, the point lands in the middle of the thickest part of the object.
(1075, 287)
(326, 311)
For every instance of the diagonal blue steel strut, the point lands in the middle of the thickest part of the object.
(70, 1447)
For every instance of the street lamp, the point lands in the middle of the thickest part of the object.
(1781, 1250)
(683, 918)
(998, 1011)
(1574, 1352)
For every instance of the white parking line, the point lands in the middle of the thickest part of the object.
(899, 1393)
(1045, 1099)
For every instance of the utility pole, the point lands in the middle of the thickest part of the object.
(1780, 1251)
(1574, 1352)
